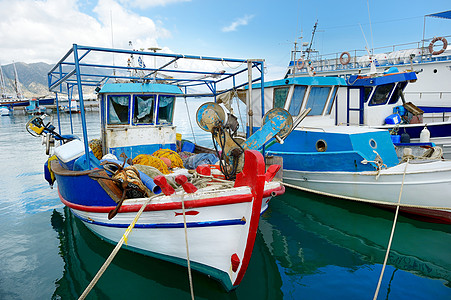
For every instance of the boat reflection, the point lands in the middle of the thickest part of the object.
(306, 233)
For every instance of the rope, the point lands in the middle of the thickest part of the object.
(191, 125)
(391, 235)
(187, 250)
(364, 200)
(115, 250)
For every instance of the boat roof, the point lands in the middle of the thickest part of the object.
(136, 87)
(313, 81)
(381, 79)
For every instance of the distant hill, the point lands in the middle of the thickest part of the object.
(32, 78)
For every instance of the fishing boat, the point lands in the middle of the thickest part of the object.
(429, 58)
(205, 218)
(34, 108)
(325, 155)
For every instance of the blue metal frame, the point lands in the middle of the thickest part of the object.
(71, 71)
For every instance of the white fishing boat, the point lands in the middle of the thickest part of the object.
(325, 155)
(205, 218)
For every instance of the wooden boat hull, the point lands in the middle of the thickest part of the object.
(221, 224)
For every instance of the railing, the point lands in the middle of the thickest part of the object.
(331, 62)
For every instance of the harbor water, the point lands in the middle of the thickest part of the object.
(307, 246)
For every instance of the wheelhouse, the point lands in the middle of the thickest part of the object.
(372, 99)
(135, 115)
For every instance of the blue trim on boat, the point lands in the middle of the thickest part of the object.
(354, 80)
(133, 151)
(314, 81)
(432, 109)
(167, 225)
(140, 88)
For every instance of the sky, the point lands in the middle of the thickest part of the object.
(43, 31)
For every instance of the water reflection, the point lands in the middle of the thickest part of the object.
(314, 237)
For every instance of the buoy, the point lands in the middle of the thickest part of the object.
(405, 138)
(425, 135)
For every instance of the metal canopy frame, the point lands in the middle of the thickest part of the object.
(80, 67)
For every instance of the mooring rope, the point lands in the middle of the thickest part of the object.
(187, 249)
(116, 249)
(391, 235)
(364, 200)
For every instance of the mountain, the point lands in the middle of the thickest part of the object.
(32, 78)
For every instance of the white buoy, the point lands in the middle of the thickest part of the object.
(425, 135)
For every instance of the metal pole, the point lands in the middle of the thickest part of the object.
(249, 99)
(82, 105)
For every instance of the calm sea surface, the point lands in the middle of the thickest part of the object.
(307, 247)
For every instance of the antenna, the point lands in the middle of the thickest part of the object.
(372, 65)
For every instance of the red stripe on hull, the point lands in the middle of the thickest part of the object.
(163, 206)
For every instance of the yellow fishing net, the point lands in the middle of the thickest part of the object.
(96, 147)
(171, 155)
(149, 160)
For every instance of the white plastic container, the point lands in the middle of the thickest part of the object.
(69, 152)
(425, 135)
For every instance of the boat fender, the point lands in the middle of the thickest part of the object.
(434, 40)
(344, 61)
(48, 173)
(300, 63)
(405, 138)
(425, 135)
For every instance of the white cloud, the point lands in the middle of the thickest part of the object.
(240, 22)
(150, 3)
(35, 31)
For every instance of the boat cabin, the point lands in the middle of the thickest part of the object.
(137, 118)
(372, 100)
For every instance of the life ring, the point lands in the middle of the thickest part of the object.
(300, 63)
(431, 45)
(344, 61)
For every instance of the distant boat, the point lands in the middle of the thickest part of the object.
(34, 108)
(6, 110)
(72, 107)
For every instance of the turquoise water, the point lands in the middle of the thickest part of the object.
(307, 247)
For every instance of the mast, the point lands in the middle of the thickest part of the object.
(309, 49)
(2, 84)
(17, 83)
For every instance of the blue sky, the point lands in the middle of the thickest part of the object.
(32, 31)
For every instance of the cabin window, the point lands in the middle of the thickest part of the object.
(395, 96)
(296, 100)
(144, 107)
(280, 96)
(380, 95)
(367, 93)
(165, 109)
(118, 109)
(317, 100)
